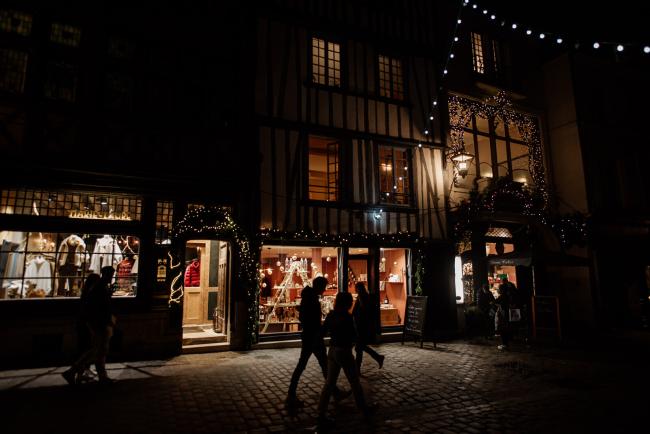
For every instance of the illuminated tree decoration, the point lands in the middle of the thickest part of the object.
(217, 222)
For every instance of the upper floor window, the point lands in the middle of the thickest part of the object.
(61, 81)
(16, 22)
(486, 56)
(65, 34)
(391, 78)
(323, 169)
(13, 66)
(325, 62)
(394, 180)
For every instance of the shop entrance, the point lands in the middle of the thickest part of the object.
(206, 291)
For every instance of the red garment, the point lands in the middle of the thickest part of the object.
(124, 275)
(193, 274)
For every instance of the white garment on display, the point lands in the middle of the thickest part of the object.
(72, 245)
(106, 252)
(39, 273)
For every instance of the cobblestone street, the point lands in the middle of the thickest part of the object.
(459, 387)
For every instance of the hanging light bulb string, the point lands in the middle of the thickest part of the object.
(558, 38)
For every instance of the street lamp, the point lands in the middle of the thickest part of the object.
(461, 161)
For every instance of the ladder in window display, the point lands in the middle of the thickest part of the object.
(287, 282)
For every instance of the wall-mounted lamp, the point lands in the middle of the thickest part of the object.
(461, 161)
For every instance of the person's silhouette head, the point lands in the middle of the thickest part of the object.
(107, 274)
(343, 302)
(319, 285)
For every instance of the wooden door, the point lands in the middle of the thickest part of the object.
(194, 304)
(223, 287)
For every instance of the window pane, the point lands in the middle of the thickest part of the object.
(61, 81)
(392, 286)
(164, 219)
(482, 124)
(513, 132)
(393, 175)
(477, 53)
(520, 171)
(485, 156)
(323, 169)
(499, 127)
(16, 22)
(285, 271)
(502, 158)
(65, 34)
(13, 66)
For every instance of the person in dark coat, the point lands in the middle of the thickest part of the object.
(485, 302)
(98, 314)
(362, 314)
(84, 337)
(501, 318)
(340, 326)
(312, 341)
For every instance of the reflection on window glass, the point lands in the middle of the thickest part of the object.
(502, 158)
(520, 170)
(482, 124)
(392, 286)
(47, 265)
(485, 156)
(285, 271)
(394, 175)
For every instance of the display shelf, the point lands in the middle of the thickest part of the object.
(392, 281)
(281, 304)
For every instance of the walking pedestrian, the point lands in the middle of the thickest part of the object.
(312, 341)
(100, 321)
(502, 317)
(361, 313)
(84, 338)
(340, 325)
(485, 302)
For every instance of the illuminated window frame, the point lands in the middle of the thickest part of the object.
(391, 77)
(13, 67)
(394, 175)
(164, 221)
(325, 62)
(477, 53)
(65, 34)
(16, 22)
(329, 191)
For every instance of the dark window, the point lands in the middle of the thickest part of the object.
(325, 62)
(486, 55)
(61, 81)
(120, 48)
(323, 169)
(394, 180)
(65, 34)
(13, 66)
(391, 78)
(119, 91)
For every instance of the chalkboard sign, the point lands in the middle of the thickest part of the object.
(415, 317)
(546, 316)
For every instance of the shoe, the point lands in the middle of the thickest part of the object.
(342, 394)
(381, 361)
(70, 377)
(294, 402)
(325, 422)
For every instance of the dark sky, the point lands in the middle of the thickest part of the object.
(617, 21)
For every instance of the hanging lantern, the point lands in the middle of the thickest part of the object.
(461, 161)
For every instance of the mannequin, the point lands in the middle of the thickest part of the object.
(71, 254)
(106, 252)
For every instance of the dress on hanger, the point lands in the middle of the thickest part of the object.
(39, 273)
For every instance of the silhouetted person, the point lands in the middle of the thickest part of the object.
(98, 314)
(502, 316)
(311, 337)
(485, 302)
(361, 313)
(340, 325)
(84, 338)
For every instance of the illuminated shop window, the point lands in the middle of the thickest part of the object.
(72, 204)
(391, 78)
(37, 265)
(325, 62)
(16, 22)
(392, 285)
(164, 221)
(394, 178)
(284, 272)
(323, 169)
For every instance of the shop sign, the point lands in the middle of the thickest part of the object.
(161, 274)
(99, 215)
(415, 318)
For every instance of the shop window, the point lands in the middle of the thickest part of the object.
(54, 265)
(65, 34)
(325, 62)
(284, 273)
(15, 22)
(61, 81)
(391, 78)
(392, 286)
(83, 205)
(13, 68)
(164, 221)
(323, 169)
(394, 178)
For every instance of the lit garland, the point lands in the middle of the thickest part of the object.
(500, 109)
(344, 239)
(217, 222)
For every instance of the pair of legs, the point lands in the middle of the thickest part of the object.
(311, 344)
(100, 338)
(360, 348)
(341, 358)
